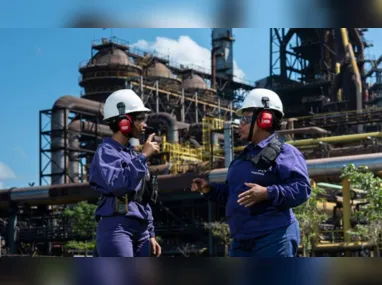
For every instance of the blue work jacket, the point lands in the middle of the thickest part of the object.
(288, 186)
(117, 170)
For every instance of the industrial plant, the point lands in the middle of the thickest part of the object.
(332, 101)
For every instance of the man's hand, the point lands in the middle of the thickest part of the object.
(149, 148)
(155, 247)
(201, 185)
(253, 196)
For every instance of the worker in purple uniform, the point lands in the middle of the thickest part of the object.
(264, 182)
(125, 222)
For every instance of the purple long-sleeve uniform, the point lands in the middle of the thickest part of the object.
(117, 170)
(288, 186)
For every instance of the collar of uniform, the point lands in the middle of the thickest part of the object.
(116, 144)
(261, 144)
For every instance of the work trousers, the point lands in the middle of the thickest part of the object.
(281, 242)
(122, 236)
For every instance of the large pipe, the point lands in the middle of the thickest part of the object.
(182, 182)
(228, 143)
(336, 139)
(172, 125)
(321, 167)
(332, 139)
(358, 84)
(79, 105)
(77, 128)
(90, 128)
(213, 67)
(71, 193)
(59, 124)
(361, 48)
(342, 246)
(307, 130)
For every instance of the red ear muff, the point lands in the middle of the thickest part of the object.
(126, 125)
(265, 120)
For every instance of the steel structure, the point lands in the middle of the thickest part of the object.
(324, 70)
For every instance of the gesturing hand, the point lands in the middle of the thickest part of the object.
(252, 196)
(150, 147)
(201, 185)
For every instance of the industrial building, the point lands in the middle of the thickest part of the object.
(333, 116)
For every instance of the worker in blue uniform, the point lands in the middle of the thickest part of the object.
(264, 182)
(120, 174)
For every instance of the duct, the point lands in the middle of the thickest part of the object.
(59, 123)
(170, 122)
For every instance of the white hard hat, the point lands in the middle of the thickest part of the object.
(132, 101)
(255, 100)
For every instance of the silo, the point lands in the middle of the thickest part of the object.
(108, 69)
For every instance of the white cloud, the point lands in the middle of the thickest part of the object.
(180, 18)
(184, 51)
(5, 173)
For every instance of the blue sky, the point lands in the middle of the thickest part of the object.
(40, 65)
(167, 13)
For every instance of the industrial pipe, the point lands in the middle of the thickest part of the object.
(332, 139)
(173, 183)
(171, 123)
(79, 104)
(321, 167)
(354, 65)
(90, 128)
(336, 139)
(213, 67)
(307, 130)
(342, 246)
(79, 127)
(361, 48)
(59, 123)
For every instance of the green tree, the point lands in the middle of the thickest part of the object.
(363, 178)
(83, 225)
(310, 216)
(220, 230)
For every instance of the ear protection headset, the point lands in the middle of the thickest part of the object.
(265, 118)
(125, 121)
